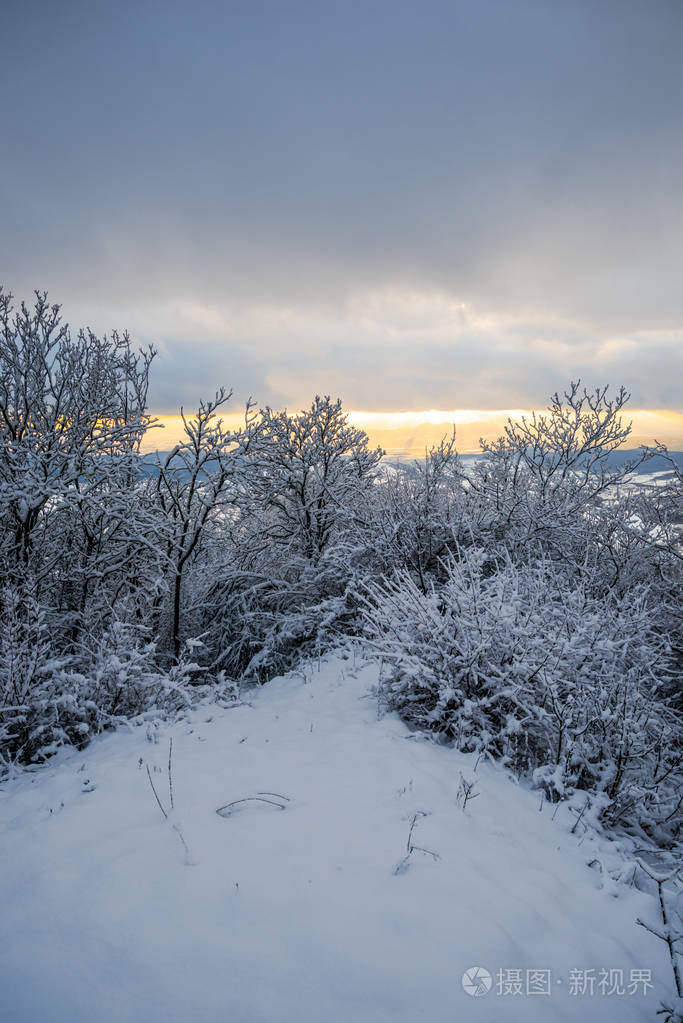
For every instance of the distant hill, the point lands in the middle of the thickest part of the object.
(412, 443)
(657, 465)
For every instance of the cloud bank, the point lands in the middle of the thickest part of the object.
(411, 205)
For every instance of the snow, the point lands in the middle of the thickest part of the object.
(296, 915)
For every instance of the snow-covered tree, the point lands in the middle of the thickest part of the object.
(313, 468)
(66, 404)
(72, 416)
(543, 480)
(289, 554)
(410, 519)
(82, 556)
(195, 483)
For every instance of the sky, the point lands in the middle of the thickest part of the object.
(412, 205)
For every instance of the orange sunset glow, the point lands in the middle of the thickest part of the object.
(410, 434)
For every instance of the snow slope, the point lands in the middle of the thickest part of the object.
(296, 915)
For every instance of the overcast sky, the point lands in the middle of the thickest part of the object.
(412, 205)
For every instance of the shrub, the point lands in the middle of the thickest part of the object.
(533, 669)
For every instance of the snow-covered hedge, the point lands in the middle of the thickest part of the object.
(530, 667)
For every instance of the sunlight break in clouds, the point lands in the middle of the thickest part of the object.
(409, 434)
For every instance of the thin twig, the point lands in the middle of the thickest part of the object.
(170, 773)
(156, 795)
(230, 808)
(667, 934)
(416, 817)
(176, 828)
(402, 866)
(578, 819)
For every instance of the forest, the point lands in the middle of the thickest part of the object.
(524, 605)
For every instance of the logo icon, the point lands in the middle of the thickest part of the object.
(476, 981)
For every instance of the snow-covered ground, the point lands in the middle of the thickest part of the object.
(297, 915)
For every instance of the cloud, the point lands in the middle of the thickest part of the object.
(389, 350)
(408, 204)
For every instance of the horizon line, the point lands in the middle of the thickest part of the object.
(415, 431)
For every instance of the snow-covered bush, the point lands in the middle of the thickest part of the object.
(259, 614)
(47, 702)
(27, 667)
(528, 666)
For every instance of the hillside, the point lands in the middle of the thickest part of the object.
(299, 915)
